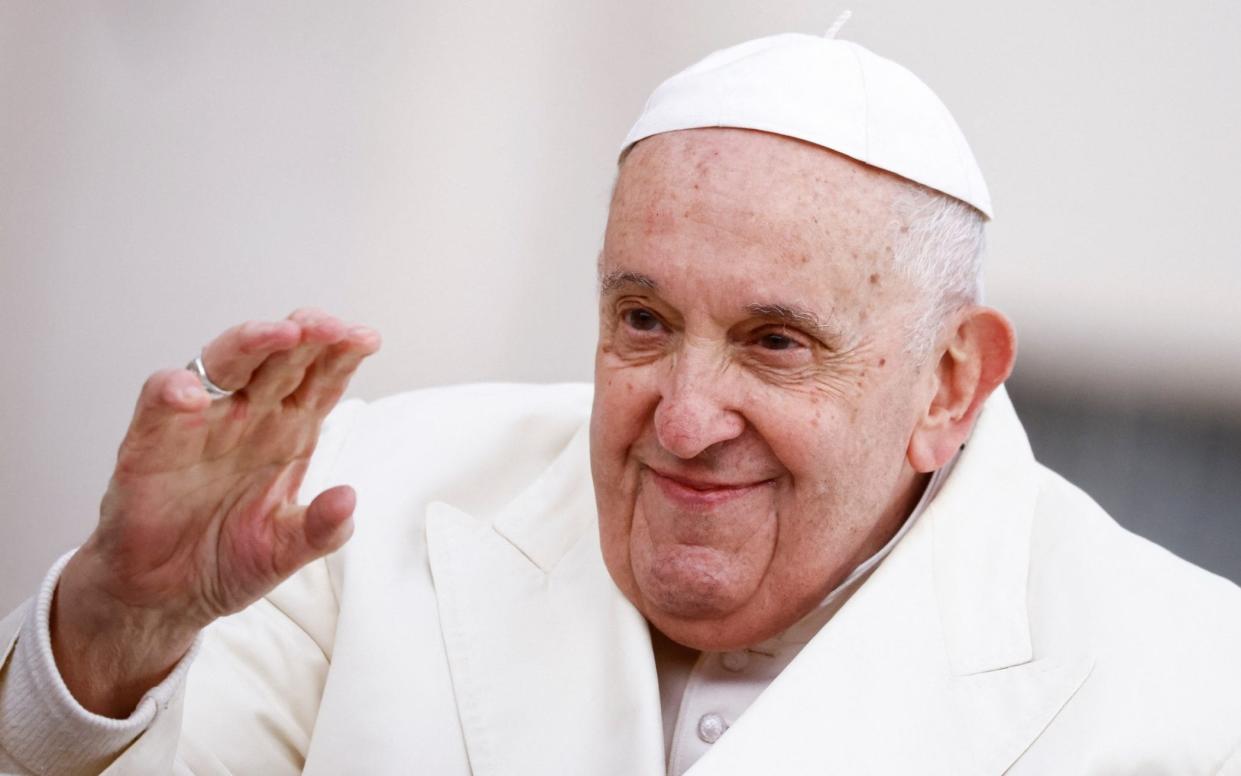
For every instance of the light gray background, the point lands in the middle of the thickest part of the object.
(441, 169)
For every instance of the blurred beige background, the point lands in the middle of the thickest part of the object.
(441, 169)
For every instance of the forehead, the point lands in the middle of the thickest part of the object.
(757, 207)
(724, 155)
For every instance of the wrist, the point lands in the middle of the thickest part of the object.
(110, 654)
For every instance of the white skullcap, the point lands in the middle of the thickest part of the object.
(832, 93)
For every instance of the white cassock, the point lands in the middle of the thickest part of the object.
(470, 627)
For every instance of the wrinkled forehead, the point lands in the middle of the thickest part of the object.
(762, 183)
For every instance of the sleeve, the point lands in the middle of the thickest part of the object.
(243, 700)
(43, 729)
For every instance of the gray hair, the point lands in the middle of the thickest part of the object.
(939, 248)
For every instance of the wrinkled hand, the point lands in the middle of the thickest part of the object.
(201, 517)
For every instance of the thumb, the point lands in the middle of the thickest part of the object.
(328, 522)
(322, 527)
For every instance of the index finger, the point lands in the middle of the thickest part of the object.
(231, 358)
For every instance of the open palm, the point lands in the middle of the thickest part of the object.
(201, 517)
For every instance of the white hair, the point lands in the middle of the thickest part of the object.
(939, 246)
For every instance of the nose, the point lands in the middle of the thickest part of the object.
(695, 411)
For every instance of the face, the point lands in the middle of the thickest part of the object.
(754, 395)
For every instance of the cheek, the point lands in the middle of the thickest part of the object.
(830, 454)
(805, 434)
(622, 406)
(613, 500)
(843, 461)
(625, 399)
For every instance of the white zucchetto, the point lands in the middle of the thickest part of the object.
(829, 92)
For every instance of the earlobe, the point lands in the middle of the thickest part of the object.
(975, 361)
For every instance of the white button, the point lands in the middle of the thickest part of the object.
(711, 727)
(735, 661)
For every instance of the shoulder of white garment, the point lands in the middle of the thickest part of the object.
(417, 446)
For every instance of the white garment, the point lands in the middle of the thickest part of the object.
(470, 627)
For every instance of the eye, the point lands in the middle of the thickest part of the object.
(640, 319)
(775, 341)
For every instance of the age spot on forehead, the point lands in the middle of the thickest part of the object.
(874, 278)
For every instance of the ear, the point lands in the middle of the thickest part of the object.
(976, 359)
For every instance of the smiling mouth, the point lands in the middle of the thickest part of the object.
(701, 493)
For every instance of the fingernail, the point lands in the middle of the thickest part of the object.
(189, 394)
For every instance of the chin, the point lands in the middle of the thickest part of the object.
(707, 635)
(705, 609)
(690, 583)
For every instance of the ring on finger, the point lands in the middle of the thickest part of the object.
(200, 371)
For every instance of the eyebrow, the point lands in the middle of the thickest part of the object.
(795, 315)
(619, 278)
(777, 312)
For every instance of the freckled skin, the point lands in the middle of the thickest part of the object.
(691, 384)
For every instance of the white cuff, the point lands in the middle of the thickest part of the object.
(42, 726)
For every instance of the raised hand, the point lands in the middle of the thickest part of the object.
(201, 517)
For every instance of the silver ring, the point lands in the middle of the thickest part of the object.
(213, 390)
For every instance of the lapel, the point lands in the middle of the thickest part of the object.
(551, 667)
(929, 667)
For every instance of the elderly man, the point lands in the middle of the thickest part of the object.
(816, 540)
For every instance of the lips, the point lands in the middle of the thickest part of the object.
(698, 493)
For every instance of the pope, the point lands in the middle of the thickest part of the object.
(793, 527)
